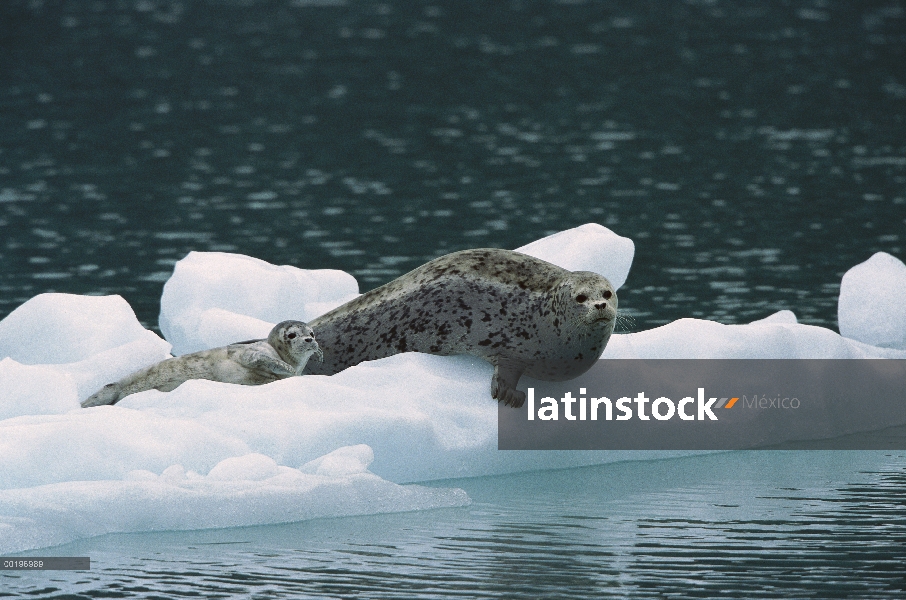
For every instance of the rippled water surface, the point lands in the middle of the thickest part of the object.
(765, 524)
(753, 150)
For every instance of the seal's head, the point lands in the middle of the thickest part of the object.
(295, 342)
(587, 303)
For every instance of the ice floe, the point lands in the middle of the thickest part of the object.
(211, 454)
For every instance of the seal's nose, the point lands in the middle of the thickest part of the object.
(309, 339)
(601, 306)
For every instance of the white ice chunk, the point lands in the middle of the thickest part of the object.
(218, 327)
(872, 305)
(250, 296)
(106, 442)
(589, 247)
(781, 316)
(96, 371)
(67, 328)
(697, 338)
(251, 467)
(241, 491)
(344, 461)
(34, 390)
(416, 409)
(88, 340)
(427, 417)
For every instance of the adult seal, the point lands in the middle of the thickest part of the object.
(523, 315)
(283, 354)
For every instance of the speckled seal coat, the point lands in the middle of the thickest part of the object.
(283, 354)
(521, 314)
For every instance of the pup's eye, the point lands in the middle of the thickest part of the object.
(291, 336)
(581, 298)
(608, 294)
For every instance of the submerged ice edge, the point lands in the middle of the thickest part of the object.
(240, 491)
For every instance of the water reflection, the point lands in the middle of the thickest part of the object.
(739, 525)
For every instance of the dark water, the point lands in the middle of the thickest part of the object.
(753, 150)
(738, 525)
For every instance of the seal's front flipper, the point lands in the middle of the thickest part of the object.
(255, 359)
(503, 384)
(109, 394)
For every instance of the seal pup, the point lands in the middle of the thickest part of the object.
(519, 313)
(283, 354)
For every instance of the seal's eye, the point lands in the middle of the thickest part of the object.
(581, 298)
(608, 294)
(291, 336)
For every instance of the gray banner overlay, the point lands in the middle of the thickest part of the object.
(688, 405)
(45, 563)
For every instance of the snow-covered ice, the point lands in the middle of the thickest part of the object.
(776, 336)
(67, 328)
(872, 307)
(211, 454)
(34, 390)
(87, 340)
(589, 247)
(216, 298)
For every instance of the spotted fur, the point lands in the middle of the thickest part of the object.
(521, 314)
(283, 354)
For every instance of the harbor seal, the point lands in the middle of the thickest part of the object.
(284, 353)
(519, 313)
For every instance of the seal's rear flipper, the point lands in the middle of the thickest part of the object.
(503, 384)
(109, 394)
